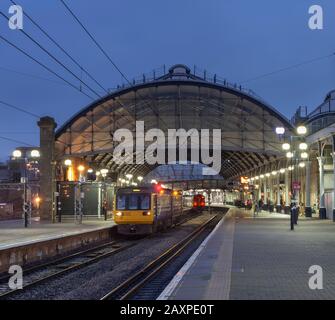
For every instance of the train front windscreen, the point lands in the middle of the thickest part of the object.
(133, 201)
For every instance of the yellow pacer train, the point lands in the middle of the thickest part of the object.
(145, 210)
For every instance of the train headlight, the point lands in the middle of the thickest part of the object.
(119, 214)
(148, 213)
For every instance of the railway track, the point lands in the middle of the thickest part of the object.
(150, 280)
(50, 270)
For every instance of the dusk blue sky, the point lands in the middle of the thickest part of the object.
(237, 39)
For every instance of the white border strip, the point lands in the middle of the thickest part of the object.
(169, 289)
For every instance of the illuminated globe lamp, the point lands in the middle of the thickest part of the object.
(301, 130)
(286, 146)
(69, 175)
(140, 179)
(280, 130)
(35, 154)
(302, 165)
(17, 154)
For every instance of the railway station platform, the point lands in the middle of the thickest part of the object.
(258, 259)
(22, 246)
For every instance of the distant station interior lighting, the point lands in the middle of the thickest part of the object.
(286, 146)
(291, 168)
(81, 168)
(129, 176)
(35, 154)
(68, 162)
(303, 146)
(154, 181)
(302, 164)
(280, 130)
(289, 155)
(98, 173)
(90, 170)
(104, 171)
(301, 130)
(304, 155)
(37, 200)
(267, 174)
(282, 170)
(17, 154)
(274, 173)
(262, 176)
(140, 178)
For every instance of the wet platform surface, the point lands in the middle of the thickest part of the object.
(258, 258)
(13, 233)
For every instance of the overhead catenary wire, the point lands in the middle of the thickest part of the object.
(19, 109)
(43, 65)
(53, 57)
(107, 55)
(294, 66)
(16, 141)
(62, 49)
(95, 41)
(30, 75)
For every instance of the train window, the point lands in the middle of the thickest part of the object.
(144, 202)
(121, 202)
(133, 202)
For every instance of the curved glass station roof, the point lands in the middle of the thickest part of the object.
(178, 99)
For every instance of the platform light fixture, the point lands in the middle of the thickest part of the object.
(35, 154)
(282, 170)
(140, 178)
(289, 155)
(129, 176)
(303, 146)
(262, 176)
(90, 170)
(17, 154)
(274, 172)
(304, 155)
(68, 162)
(286, 146)
(302, 164)
(301, 130)
(280, 130)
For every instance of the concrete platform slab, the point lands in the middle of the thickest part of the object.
(258, 258)
(40, 241)
(13, 233)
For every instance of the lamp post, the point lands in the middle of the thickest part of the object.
(34, 154)
(292, 154)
